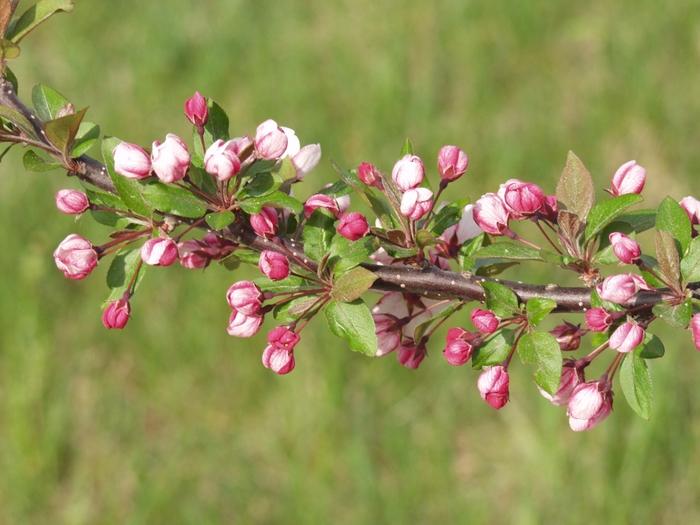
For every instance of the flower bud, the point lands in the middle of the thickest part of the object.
(273, 265)
(410, 355)
(270, 140)
(458, 347)
(221, 160)
(343, 203)
(306, 159)
(283, 337)
(493, 386)
(571, 377)
(191, 255)
(452, 163)
(621, 288)
(523, 199)
(408, 172)
(196, 109)
(629, 178)
(491, 215)
(320, 200)
(369, 175)
(159, 251)
(627, 337)
(75, 257)
(695, 329)
(568, 336)
(170, 159)
(216, 247)
(590, 403)
(598, 319)
(245, 296)
(692, 207)
(467, 228)
(278, 359)
(353, 226)
(265, 223)
(627, 250)
(116, 315)
(484, 320)
(416, 203)
(242, 325)
(388, 332)
(293, 144)
(71, 202)
(131, 161)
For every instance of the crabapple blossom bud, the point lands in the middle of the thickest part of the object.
(221, 160)
(621, 288)
(293, 144)
(116, 315)
(274, 265)
(491, 214)
(265, 222)
(306, 159)
(170, 159)
(695, 329)
(458, 347)
(196, 109)
(589, 404)
(523, 199)
(571, 377)
(629, 178)
(598, 319)
(627, 337)
(484, 320)
(270, 140)
(353, 226)
(452, 163)
(278, 359)
(408, 172)
(343, 203)
(131, 161)
(568, 336)
(467, 228)
(692, 207)
(283, 337)
(71, 202)
(320, 200)
(416, 203)
(369, 175)
(75, 257)
(493, 386)
(216, 247)
(159, 251)
(245, 297)
(388, 333)
(242, 325)
(410, 355)
(627, 250)
(191, 255)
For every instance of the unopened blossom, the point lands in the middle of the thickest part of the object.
(493, 385)
(306, 159)
(353, 226)
(369, 175)
(523, 199)
(691, 205)
(116, 315)
(196, 110)
(695, 330)
(626, 249)
(621, 288)
(131, 161)
(415, 203)
(191, 255)
(221, 160)
(589, 404)
(274, 265)
(627, 337)
(465, 230)
(598, 319)
(160, 251)
(409, 354)
(320, 200)
(452, 163)
(458, 346)
(71, 202)
(568, 336)
(242, 325)
(278, 359)
(484, 320)
(216, 247)
(408, 172)
(170, 159)
(388, 331)
(293, 144)
(571, 377)
(75, 257)
(245, 297)
(491, 214)
(629, 178)
(264, 223)
(270, 140)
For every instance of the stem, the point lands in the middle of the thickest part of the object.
(549, 240)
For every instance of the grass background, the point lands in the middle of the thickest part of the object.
(172, 421)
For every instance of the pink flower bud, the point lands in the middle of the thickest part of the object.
(353, 226)
(369, 175)
(242, 325)
(458, 347)
(216, 247)
(159, 251)
(452, 163)
(523, 199)
(627, 337)
(273, 265)
(343, 203)
(116, 315)
(692, 207)
(265, 223)
(621, 288)
(270, 140)
(306, 159)
(416, 203)
(71, 202)
(170, 159)
(192, 255)
(493, 386)
(293, 144)
(568, 336)
(245, 297)
(388, 332)
(571, 377)
(484, 320)
(410, 355)
(320, 200)
(408, 172)
(627, 250)
(278, 359)
(283, 337)
(491, 215)
(695, 329)
(196, 109)
(590, 403)
(131, 161)
(629, 178)
(598, 319)
(221, 160)
(75, 257)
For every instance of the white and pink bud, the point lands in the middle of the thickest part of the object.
(491, 214)
(493, 385)
(320, 200)
(369, 175)
(245, 297)
(598, 319)
(71, 202)
(485, 321)
(353, 226)
(221, 160)
(416, 203)
(410, 355)
(408, 172)
(270, 140)
(242, 325)
(589, 404)
(695, 330)
(691, 205)
(160, 251)
(452, 163)
(265, 222)
(273, 265)
(191, 255)
(75, 257)
(523, 199)
(170, 159)
(116, 315)
(293, 144)
(621, 288)
(388, 331)
(279, 353)
(626, 249)
(458, 346)
(306, 159)
(131, 161)
(568, 336)
(626, 337)
(571, 377)
(629, 178)
(196, 110)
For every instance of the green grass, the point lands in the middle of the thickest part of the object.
(172, 421)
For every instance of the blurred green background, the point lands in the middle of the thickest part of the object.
(172, 421)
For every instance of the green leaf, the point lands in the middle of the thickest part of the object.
(290, 284)
(121, 271)
(677, 316)
(500, 299)
(220, 220)
(109, 218)
(494, 350)
(8, 50)
(217, 123)
(652, 347)
(293, 310)
(635, 381)
(129, 190)
(48, 102)
(407, 148)
(276, 199)
(671, 218)
(102, 198)
(605, 212)
(538, 308)
(287, 171)
(667, 257)
(202, 180)
(33, 162)
(690, 265)
(61, 132)
(352, 285)
(35, 15)
(575, 187)
(638, 220)
(173, 199)
(88, 135)
(542, 350)
(346, 254)
(318, 234)
(260, 185)
(353, 322)
(18, 119)
(465, 257)
(447, 216)
(509, 250)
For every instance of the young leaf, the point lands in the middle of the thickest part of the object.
(318, 234)
(635, 381)
(220, 220)
(346, 254)
(259, 185)
(121, 271)
(88, 135)
(276, 199)
(290, 284)
(465, 257)
(494, 350)
(509, 250)
(447, 216)
(575, 187)
(33, 162)
(61, 132)
(34, 16)
(407, 148)
(672, 218)
(129, 190)
(678, 315)
(172, 199)
(18, 119)
(352, 285)
(690, 265)
(605, 212)
(294, 309)
(538, 308)
(47, 102)
(542, 350)
(667, 256)
(353, 322)
(500, 299)
(217, 123)
(652, 347)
